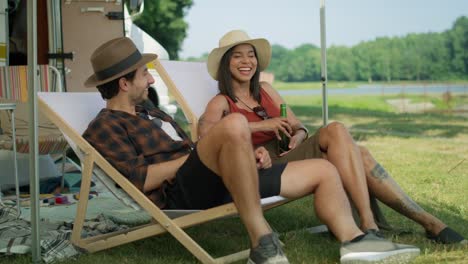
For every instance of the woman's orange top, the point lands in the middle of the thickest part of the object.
(261, 137)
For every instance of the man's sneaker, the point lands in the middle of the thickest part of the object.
(375, 232)
(370, 248)
(268, 251)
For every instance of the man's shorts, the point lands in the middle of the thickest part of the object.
(309, 149)
(197, 187)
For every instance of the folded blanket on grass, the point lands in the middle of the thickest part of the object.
(15, 235)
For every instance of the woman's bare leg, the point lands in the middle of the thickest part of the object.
(227, 150)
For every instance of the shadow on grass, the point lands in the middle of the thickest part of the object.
(382, 123)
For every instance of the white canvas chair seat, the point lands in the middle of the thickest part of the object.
(71, 113)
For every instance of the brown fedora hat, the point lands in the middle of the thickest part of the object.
(114, 59)
(234, 38)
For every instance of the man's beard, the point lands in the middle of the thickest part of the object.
(140, 99)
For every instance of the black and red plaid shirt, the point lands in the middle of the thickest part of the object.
(132, 142)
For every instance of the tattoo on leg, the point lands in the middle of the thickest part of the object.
(379, 172)
(406, 205)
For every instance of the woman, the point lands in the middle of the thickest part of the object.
(236, 65)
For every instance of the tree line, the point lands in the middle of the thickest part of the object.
(423, 56)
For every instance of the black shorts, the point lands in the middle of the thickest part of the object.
(197, 187)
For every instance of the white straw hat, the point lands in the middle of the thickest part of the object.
(233, 38)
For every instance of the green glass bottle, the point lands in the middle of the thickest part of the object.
(283, 144)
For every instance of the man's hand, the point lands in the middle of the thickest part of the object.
(263, 158)
(277, 125)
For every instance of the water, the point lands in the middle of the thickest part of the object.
(380, 89)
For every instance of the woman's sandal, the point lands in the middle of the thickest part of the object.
(447, 236)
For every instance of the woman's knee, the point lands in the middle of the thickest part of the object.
(328, 171)
(235, 127)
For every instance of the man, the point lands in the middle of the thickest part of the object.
(154, 153)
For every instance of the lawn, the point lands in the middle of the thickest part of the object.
(426, 153)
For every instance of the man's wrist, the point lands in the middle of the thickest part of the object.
(303, 128)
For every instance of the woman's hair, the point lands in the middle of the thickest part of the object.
(225, 78)
(111, 89)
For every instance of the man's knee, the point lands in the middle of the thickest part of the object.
(334, 132)
(367, 159)
(337, 128)
(235, 127)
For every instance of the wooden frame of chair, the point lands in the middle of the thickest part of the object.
(161, 222)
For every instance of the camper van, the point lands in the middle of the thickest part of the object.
(68, 31)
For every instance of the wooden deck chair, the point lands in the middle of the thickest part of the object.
(71, 113)
(192, 87)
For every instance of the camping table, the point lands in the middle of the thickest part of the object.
(11, 107)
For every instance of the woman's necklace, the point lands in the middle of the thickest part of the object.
(251, 109)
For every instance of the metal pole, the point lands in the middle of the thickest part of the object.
(15, 162)
(7, 53)
(323, 47)
(33, 140)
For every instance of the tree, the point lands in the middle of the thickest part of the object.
(458, 45)
(298, 65)
(164, 21)
(340, 63)
(279, 56)
(362, 61)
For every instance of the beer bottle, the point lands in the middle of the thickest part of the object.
(283, 144)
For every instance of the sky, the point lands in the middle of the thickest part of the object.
(291, 23)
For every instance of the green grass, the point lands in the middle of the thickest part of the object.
(371, 117)
(427, 154)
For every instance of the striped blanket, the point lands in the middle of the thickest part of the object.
(50, 139)
(17, 89)
(15, 235)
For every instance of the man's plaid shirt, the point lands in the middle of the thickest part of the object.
(131, 143)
